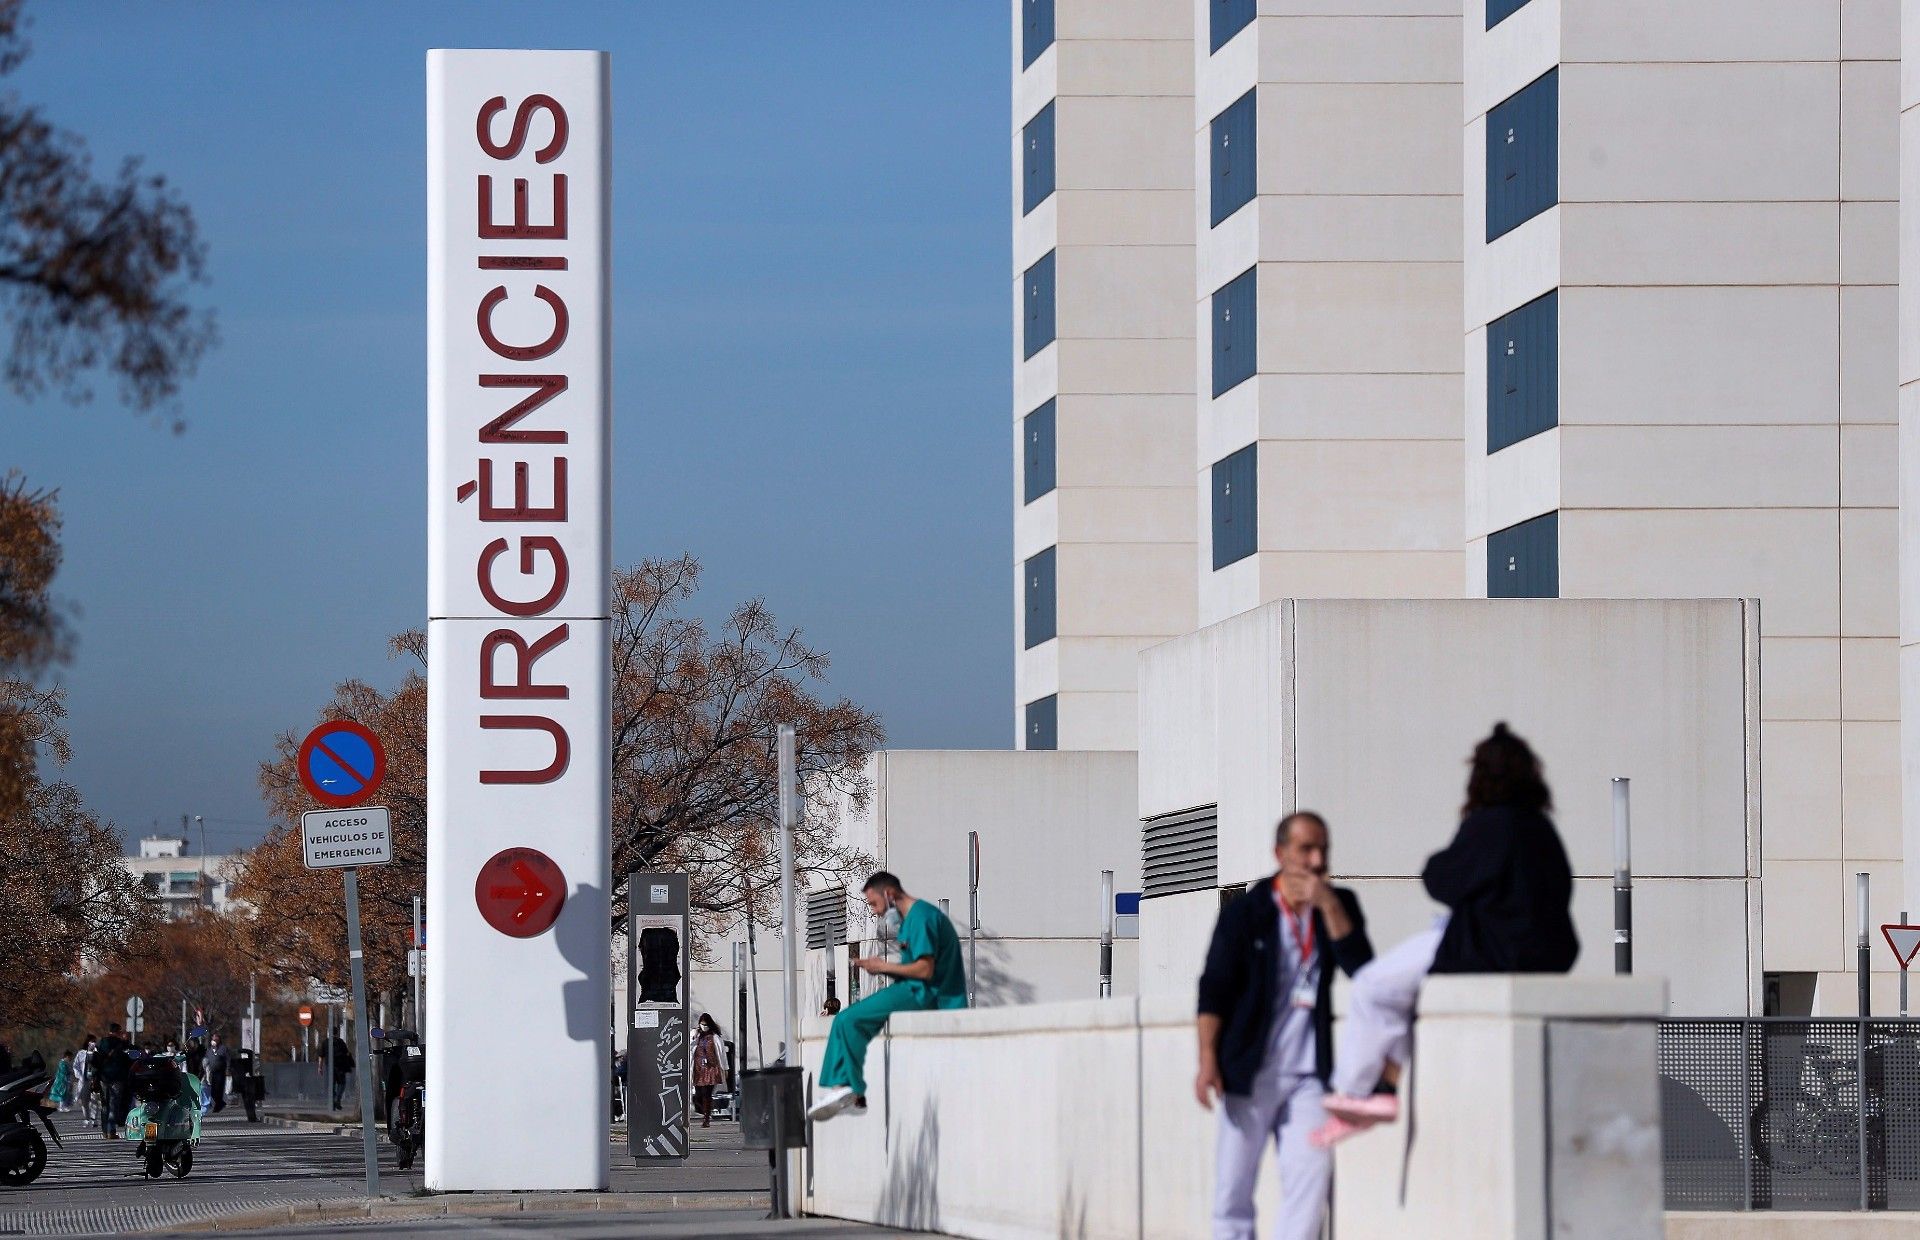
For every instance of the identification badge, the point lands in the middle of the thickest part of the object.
(1305, 995)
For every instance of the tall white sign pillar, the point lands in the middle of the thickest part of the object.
(518, 580)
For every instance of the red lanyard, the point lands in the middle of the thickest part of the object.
(1302, 924)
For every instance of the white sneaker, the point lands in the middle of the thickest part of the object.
(831, 1104)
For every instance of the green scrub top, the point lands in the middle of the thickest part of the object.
(924, 932)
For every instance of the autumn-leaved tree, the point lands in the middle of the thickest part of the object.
(94, 273)
(65, 900)
(695, 714)
(295, 918)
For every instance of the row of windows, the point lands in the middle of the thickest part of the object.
(1043, 723)
(1234, 321)
(1036, 328)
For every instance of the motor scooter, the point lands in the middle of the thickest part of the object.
(23, 1099)
(407, 1104)
(165, 1116)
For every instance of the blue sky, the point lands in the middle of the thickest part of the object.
(810, 368)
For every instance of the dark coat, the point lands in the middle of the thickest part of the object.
(1237, 984)
(1507, 881)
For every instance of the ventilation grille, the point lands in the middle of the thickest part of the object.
(1180, 852)
(827, 917)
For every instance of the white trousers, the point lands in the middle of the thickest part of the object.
(1379, 1022)
(1285, 1108)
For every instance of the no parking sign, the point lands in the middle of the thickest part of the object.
(341, 763)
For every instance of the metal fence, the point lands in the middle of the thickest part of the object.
(1770, 1114)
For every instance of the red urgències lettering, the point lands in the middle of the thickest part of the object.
(525, 574)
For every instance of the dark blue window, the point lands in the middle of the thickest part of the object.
(1037, 581)
(1523, 372)
(1500, 10)
(1037, 292)
(1523, 155)
(1229, 18)
(1233, 335)
(1236, 496)
(1036, 29)
(1043, 723)
(1233, 147)
(1036, 158)
(1036, 452)
(1523, 561)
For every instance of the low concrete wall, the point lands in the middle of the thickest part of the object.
(1078, 1119)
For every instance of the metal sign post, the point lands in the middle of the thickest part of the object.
(659, 1025)
(789, 810)
(419, 966)
(342, 763)
(973, 913)
(369, 1143)
(1904, 939)
(1862, 960)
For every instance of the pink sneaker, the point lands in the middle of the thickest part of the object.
(1366, 1112)
(1334, 1131)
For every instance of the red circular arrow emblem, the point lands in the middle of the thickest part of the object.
(520, 891)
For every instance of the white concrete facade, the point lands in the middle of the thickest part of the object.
(1117, 75)
(1048, 824)
(1366, 710)
(1352, 234)
(1723, 247)
(1538, 1117)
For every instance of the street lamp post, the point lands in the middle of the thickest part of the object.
(202, 824)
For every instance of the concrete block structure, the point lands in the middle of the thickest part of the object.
(1102, 358)
(1537, 1110)
(1048, 824)
(1680, 318)
(1327, 158)
(1365, 711)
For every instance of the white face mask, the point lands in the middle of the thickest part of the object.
(890, 924)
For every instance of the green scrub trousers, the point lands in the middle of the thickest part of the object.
(855, 1026)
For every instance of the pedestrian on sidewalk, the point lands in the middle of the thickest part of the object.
(928, 975)
(60, 1093)
(85, 1081)
(342, 1068)
(217, 1064)
(1507, 886)
(1265, 1027)
(707, 1069)
(116, 1080)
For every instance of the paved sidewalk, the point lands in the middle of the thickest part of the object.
(264, 1175)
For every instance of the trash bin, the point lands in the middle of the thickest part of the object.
(762, 1090)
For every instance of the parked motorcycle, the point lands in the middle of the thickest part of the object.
(165, 1117)
(23, 1099)
(407, 1104)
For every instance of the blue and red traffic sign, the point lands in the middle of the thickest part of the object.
(341, 763)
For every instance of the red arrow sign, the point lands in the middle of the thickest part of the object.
(520, 892)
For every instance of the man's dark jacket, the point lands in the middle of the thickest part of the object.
(1506, 880)
(1238, 982)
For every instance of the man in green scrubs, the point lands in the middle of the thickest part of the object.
(928, 975)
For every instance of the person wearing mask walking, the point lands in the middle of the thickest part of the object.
(342, 1067)
(928, 975)
(1265, 1028)
(1507, 886)
(708, 1071)
(217, 1062)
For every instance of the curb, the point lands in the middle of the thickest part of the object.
(467, 1204)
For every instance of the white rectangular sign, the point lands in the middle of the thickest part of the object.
(333, 839)
(518, 780)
